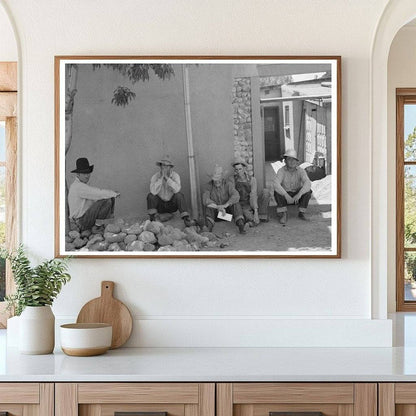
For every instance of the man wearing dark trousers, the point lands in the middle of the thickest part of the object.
(291, 186)
(87, 204)
(165, 195)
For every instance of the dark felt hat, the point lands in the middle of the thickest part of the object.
(83, 166)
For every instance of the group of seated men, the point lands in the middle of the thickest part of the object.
(236, 195)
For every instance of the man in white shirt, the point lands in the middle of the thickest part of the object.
(291, 186)
(165, 195)
(88, 203)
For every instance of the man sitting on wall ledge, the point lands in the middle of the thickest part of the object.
(87, 204)
(221, 196)
(254, 207)
(291, 186)
(165, 195)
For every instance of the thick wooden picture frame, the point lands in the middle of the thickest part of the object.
(122, 118)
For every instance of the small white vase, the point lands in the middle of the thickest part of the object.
(37, 330)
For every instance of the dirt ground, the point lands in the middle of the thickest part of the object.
(296, 235)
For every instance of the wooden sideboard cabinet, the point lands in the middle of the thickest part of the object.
(27, 399)
(263, 399)
(108, 399)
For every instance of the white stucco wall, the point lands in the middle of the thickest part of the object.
(179, 302)
(8, 46)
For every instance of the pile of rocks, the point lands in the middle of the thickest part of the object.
(145, 236)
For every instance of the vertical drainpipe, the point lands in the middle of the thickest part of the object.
(191, 155)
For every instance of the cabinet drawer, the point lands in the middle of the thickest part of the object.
(106, 399)
(21, 399)
(296, 399)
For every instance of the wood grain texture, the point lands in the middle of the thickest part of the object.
(66, 399)
(8, 105)
(31, 410)
(11, 206)
(8, 76)
(264, 409)
(400, 203)
(405, 410)
(405, 393)
(13, 409)
(190, 410)
(107, 309)
(90, 410)
(339, 158)
(138, 393)
(11, 196)
(252, 393)
(171, 409)
(27, 393)
(345, 410)
(57, 159)
(386, 399)
(224, 399)
(207, 399)
(365, 399)
(47, 399)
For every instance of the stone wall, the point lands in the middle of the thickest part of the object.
(243, 134)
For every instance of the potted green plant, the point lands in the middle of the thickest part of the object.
(36, 289)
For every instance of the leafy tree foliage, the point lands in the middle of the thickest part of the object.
(134, 72)
(410, 204)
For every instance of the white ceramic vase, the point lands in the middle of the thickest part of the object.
(37, 330)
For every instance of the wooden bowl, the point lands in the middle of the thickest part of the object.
(84, 340)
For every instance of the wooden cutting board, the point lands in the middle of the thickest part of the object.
(107, 309)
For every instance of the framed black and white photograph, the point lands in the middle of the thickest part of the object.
(198, 156)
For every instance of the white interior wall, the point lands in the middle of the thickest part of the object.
(401, 74)
(180, 300)
(8, 46)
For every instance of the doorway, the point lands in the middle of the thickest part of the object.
(272, 147)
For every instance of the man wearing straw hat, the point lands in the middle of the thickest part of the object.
(291, 186)
(254, 207)
(165, 195)
(87, 204)
(221, 196)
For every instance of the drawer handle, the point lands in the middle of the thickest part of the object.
(296, 414)
(139, 414)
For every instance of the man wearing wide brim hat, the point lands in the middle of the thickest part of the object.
(87, 204)
(255, 208)
(165, 196)
(291, 186)
(221, 196)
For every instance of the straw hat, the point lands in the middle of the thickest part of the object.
(165, 162)
(291, 153)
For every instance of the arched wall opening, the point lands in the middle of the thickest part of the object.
(396, 15)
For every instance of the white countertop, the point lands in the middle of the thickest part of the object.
(213, 364)
(221, 364)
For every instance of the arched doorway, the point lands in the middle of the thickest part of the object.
(396, 14)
